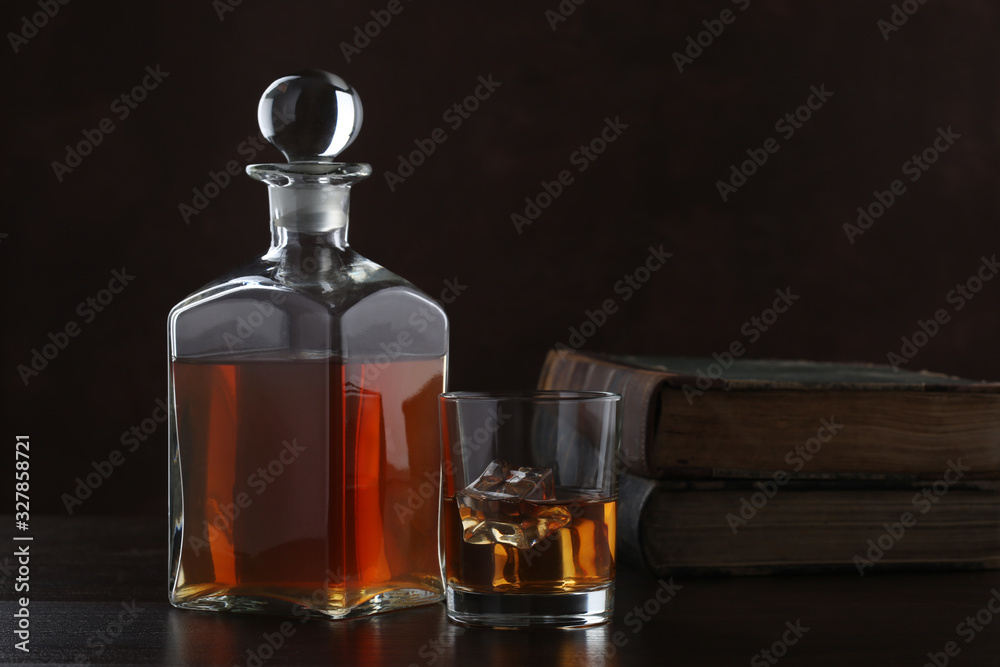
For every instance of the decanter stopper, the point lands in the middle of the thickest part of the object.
(311, 116)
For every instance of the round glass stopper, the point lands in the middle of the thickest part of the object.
(311, 116)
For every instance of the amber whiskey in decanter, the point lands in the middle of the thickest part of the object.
(303, 393)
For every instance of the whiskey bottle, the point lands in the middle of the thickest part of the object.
(303, 397)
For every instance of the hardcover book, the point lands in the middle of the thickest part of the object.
(689, 527)
(740, 419)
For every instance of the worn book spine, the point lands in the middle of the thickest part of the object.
(640, 391)
(633, 494)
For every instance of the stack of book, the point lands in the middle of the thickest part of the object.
(760, 466)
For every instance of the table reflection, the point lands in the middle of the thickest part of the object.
(413, 638)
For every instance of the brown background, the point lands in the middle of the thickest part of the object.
(655, 185)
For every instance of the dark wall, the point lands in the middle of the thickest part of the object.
(885, 96)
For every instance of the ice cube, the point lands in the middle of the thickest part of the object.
(501, 506)
(531, 483)
(493, 478)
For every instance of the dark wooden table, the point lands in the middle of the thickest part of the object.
(98, 595)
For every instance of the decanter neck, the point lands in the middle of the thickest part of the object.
(286, 241)
(309, 198)
(310, 208)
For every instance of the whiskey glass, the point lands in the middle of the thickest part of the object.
(529, 492)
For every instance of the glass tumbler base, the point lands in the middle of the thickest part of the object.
(516, 610)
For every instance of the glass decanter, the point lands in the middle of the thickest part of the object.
(304, 435)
